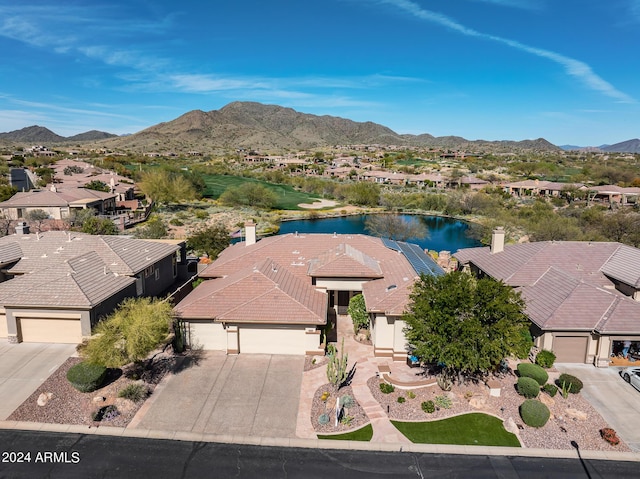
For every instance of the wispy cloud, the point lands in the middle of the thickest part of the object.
(575, 68)
(522, 4)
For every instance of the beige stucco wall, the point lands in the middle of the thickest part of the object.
(312, 341)
(206, 334)
(340, 285)
(3, 324)
(272, 339)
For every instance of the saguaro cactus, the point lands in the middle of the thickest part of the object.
(337, 365)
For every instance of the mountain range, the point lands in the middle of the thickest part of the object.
(271, 127)
(629, 146)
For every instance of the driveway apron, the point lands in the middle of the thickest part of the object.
(248, 395)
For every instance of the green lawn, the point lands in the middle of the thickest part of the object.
(474, 429)
(363, 434)
(288, 197)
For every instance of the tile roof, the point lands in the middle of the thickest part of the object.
(82, 282)
(262, 293)
(566, 285)
(357, 256)
(122, 255)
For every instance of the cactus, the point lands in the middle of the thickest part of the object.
(337, 366)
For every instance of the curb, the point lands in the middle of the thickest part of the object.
(320, 443)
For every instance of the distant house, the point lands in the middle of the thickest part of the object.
(72, 174)
(614, 194)
(538, 188)
(55, 286)
(277, 294)
(58, 204)
(582, 297)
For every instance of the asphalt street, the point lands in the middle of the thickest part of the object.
(30, 454)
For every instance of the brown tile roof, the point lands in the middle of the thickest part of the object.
(82, 282)
(344, 261)
(303, 255)
(565, 284)
(263, 293)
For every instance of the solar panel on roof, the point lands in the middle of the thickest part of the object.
(391, 244)
(421, 262)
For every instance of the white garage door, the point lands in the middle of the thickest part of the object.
(50, 330)
(206, 334)
(3, 325)
(271, 339)
(570, 349)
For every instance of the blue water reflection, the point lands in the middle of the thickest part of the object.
(444, 233)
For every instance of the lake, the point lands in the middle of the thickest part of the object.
(444, 233)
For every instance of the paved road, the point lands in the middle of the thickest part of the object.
(616, 401)
(247, 395)
(24, 367)
(89, 456)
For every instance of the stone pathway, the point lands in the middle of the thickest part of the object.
(366, 367)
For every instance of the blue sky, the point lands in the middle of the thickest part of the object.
(565, 70)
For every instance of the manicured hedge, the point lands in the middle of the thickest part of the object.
(533, 371)
(86, 377)
(571, 382)
(545, 359)
(528, 387)
(534, 413)
(550, 389)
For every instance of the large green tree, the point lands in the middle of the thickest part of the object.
(136, 328)
(249, 194)
(210, 240)
(470, 325)
(166, 187)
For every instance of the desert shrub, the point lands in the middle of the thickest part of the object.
(86, 377)
(444, 381)
(387, 388)
(428, 406)
(569, 383)
(534, 413)
(550, 389)
(325, 396)
(323, 419)
(201, 214)
(105, 413)
(347, 401)
(610, 436)
(533, 371)
(545, 358)
(411, 395)
(135, 392)
(176, 222)
(528, 387)
(443, 401)
(401, 399)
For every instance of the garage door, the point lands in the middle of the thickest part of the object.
(271, 340)
(570, 349)
(50, 330)
(3, 325)
(206, 334)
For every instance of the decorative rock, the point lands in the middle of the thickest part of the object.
(98, 399)
(510, 426)
(575, 414)
(44, 398)
(546, 400)
(478, 402)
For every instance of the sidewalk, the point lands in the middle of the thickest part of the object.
(366, 367)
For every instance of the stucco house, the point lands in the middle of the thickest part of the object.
(276, 295)
(55, 286)
(581, 297)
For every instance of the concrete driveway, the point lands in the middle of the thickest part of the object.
(247, 395)
(616, 401)
(24, 367)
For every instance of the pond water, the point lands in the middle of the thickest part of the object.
(444, 233)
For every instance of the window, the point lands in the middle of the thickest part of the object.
(157, 274)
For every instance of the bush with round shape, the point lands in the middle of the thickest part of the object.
(135, 392)
(86, 377)
(323, 419)
(401, 399)
(428, 406)
(528, 387)
(387, 388)
(534, 413)
(533, 371)
(545, 358)
(550, 389)
(570, 383)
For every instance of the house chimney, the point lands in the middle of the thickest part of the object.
(22, 228)
(497, 240)
(250, 233)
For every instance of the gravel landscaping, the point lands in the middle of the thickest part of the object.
(63, 404)
(572, 419)
(328, 405)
